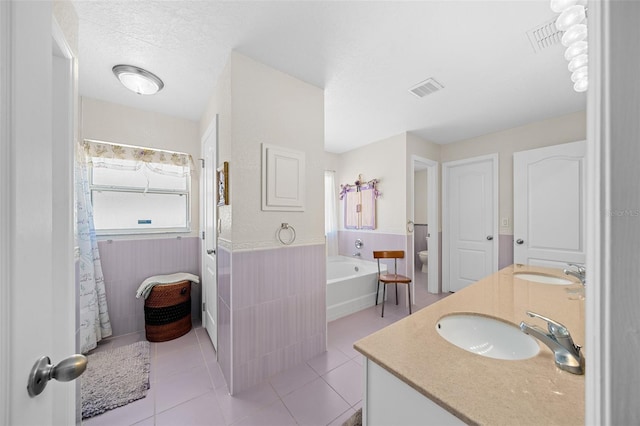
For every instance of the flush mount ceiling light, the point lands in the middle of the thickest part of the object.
(138, 80)
(572, 21)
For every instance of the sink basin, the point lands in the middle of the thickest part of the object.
(542, 278)
(487, 336)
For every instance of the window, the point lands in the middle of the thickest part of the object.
(138, 190)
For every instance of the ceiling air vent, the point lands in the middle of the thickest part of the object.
(425, 88)
(544, 36)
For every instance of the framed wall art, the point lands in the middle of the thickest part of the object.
(223, 184)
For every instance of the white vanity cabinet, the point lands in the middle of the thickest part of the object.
(414, 377)
(388, 400)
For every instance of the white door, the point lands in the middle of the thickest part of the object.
(470, 221)
(549, 205)
(37, 296)
(208, 201)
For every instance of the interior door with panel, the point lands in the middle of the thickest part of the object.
(37, 295)
(470, 221)
(549, 195)
(209, 243)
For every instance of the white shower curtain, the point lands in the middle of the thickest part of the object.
(331, 212)
(94, 318)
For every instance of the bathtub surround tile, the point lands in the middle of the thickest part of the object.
(382, 241)
(374, 241)
(126, 263)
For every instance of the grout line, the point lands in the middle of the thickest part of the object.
(338, 393)
(334, 419)
(282, 401)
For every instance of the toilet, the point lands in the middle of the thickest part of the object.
(424, 258)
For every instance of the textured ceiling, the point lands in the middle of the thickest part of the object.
(366, 55)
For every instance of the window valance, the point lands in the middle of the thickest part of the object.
(95, 150)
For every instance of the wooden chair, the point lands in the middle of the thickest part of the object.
(391, 278)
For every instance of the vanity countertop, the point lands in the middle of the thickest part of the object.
(481, 390)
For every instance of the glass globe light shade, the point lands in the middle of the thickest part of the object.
(570, 17)
(138, 84)
(579, 74)
(576, 49)
(581, 85)
(559, 6)
(138, 80)
(574, 34)
(578, 62)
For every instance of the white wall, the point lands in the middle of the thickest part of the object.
(557, 130)
(420, 197)
(425, 149)
(220, 104)
(386, 161)
(331, 161)
(274, 108)
(257, 104)
(422, 148)
(108, 122)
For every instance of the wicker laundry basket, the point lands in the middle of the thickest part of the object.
(167, 311)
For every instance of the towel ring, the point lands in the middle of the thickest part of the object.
(290, 228)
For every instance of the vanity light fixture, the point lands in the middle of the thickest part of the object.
(572, 21)
(138, 80)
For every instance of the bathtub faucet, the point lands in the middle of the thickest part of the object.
(357, 254)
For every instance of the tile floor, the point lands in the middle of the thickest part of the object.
(187, 386)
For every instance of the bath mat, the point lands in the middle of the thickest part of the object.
(355, 420)
(115, 378)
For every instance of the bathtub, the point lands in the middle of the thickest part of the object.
(351, 285)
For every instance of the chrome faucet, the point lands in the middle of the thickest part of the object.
(567, 354)
(579, 272)
(357, 254)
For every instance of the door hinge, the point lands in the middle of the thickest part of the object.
(204, 305)
(203, 235)
(202, 162)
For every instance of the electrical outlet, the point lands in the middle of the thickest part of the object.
(504, 222)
